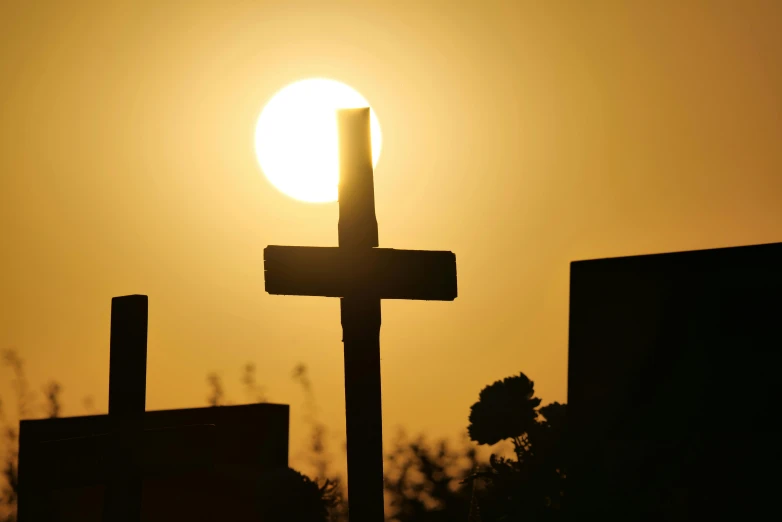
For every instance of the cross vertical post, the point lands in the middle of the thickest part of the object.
(360, 274)
(127, 396)
(360, 323)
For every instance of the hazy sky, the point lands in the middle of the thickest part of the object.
(519, 135)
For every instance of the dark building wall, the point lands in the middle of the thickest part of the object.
(674, 363)
(199, 464)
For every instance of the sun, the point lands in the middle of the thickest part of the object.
(296, 137)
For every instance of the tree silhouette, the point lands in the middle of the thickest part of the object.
(531, 486)
(505, 410)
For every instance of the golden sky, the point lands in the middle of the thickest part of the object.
(519, 135)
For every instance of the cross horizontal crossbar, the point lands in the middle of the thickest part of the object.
(383, 273)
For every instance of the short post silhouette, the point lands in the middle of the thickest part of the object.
(119, 454)
(360, 275)
(127, 403)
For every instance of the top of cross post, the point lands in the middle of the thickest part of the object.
(357, 221)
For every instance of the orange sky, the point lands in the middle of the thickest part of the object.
(519, 135)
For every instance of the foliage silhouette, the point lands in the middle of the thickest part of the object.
(217, 395)
(333, 490)
(53, 404)
(530, 487)
(321, 498)
(505, 410)
(424, 481)
(254, 391)
(285, 495)
(10, 491)
(52, 407)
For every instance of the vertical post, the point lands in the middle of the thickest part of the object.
(357, 221)
(127, 396)
(360, 323)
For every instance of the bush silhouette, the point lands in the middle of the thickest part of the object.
(505, 410)
(285, 495)
(531, 486)
(424, 481)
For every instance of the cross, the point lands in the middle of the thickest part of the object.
(119, 454)
(360, 274)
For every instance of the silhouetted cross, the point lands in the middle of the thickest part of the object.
(361, 275)
(121, 453)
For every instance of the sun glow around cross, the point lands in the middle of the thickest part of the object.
(296, 138)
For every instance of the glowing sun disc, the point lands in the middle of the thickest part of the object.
(296, 138)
